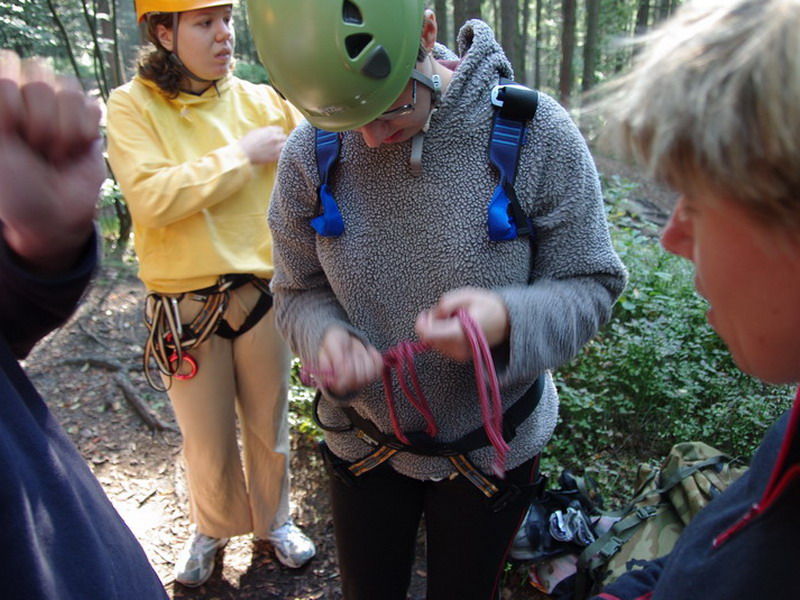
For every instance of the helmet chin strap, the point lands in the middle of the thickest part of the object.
(175, 59)
(433, 83)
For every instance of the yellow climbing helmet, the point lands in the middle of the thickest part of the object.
(169, 6)
(340, 62)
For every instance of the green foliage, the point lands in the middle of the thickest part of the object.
(25, 26)
(110, 195)
(657, 374)
(301, 405)
(115, 223)
(253, 72)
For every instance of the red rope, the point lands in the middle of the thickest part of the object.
(401, 359)
(485, 374)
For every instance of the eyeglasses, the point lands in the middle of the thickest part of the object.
(405, 109)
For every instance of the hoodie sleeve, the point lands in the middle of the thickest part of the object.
(305, 304)
(161, 188)
(576, 274)
(31, 306)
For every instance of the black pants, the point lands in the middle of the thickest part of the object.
(376, 519)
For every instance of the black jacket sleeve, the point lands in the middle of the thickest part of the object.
(32, 306)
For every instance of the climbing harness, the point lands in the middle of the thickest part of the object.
(498, 429)
(169, 340)
(515, 106)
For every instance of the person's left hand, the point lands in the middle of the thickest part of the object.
(51, 164)
(441, 328)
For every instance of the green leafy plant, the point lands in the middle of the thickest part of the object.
(301, 405)
(657, 374)
(253, 72)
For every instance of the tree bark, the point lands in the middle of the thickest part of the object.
(523, 43)
(463, 10)
(509, 31)
(664, 7)
(590, 44)
(443, 35)
(567, 51)
(65, 38)
(537, 52)
(642, 16)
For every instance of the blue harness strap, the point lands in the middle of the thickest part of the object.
(329, 222)
(515, 106)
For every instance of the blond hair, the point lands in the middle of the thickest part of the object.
(714, 95)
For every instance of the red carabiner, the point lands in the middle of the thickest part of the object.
(186, 358)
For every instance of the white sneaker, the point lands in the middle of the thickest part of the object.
(196, 562)
(292, 547)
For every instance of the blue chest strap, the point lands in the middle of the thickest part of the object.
(329, 222)
(515, 105)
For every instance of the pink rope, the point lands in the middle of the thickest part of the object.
(401, 359)
(485, 374)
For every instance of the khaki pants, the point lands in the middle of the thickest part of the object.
(233, 493)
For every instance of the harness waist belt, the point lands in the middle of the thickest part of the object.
(422, 443)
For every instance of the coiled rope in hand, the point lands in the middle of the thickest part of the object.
(401, 359)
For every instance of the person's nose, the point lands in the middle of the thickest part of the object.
(224, 31)
(677, 236)
(374, 133)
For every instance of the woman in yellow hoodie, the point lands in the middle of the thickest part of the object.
(194, 149)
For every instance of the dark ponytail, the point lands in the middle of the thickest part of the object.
(154, 62)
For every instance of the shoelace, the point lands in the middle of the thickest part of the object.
(401, 359)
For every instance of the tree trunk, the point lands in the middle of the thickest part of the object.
(567, 51)
(663, 9)
(463, 10)
(65, 38)
(108, 34)
(590, 44)
(509, 31)
(443, 35)
(523, 44)
(244, 41)
(642, 16)
(537, 51)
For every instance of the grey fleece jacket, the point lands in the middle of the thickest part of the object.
(409, 239)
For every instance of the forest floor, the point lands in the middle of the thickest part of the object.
(89, 371)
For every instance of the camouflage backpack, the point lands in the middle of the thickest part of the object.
(667, 497)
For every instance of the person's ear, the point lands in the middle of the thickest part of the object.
(164, 36)
(429, 30)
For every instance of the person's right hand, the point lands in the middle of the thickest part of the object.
(348, 365)
(263, 145)
(51, 164)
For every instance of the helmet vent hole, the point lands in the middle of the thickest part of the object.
(356, 43)
(351, 14)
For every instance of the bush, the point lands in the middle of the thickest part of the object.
(253, 72)
(657, 374)
(301, 405)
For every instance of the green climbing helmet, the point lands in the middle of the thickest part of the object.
(340, 62)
